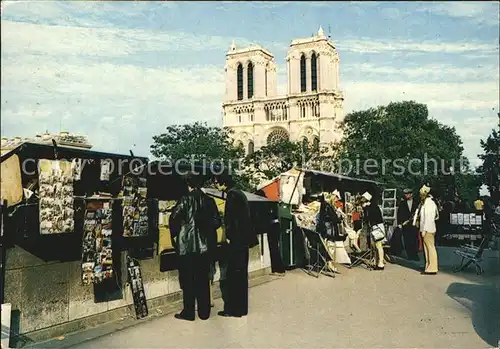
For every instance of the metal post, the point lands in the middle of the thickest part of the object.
(3, 249)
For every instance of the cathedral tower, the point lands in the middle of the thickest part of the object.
(250, 73)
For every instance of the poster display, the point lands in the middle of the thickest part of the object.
(292, 187)
(11, 188)
(137, 286)
(468, 219)
(135, 206)
(77, 165)
(164, 211)
(56, 196)
(97, 257)
(106, 168)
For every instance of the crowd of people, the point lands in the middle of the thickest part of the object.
(413, 217)
(195, 219)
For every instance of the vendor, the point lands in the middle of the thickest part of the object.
(376, 227)
(328, 220)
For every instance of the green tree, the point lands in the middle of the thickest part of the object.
(199, 142)
(276, 158)
(400, 145)
(489, 171)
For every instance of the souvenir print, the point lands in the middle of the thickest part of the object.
(97, 253)
(135, 206)
(56, 196)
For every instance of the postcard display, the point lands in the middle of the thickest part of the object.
(135, 206)
(472, 220)
(97, 259)
(56, 196)
(137, 286)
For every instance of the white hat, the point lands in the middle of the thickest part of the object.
(336, 193)
(424, 190)
(367, 196)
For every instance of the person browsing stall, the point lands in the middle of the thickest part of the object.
(406, 210)
(192, 228)
(240, 237)
(376, 227)
(425, 220)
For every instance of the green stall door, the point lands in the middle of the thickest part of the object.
(291, 239)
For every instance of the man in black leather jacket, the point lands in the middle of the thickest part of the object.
(192, 224)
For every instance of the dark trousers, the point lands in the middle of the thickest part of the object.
(194, 280)
(235, 286)
(273, 240)
(396, 242)
(410, 237)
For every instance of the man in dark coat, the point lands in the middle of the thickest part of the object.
(406, 211)
(240, 238)
(192, 228)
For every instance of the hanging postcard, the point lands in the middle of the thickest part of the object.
(77, 166)
(137, 286)
(56, 196)
(106, 169)
(97, 258)
(135, 206)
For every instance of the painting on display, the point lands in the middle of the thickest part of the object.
(97, 253)
(106, 169)
(56, 196)
(135, 206)
(164, 211)
(137, 286)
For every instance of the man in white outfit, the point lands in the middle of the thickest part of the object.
(425, 219)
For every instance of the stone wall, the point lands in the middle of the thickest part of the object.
(46, 295)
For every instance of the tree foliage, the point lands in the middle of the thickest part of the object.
(400, 145)
(489, 171)
(276, 158)
(195, 141)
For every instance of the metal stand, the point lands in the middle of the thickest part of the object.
(320, 266)
(365, 259)
(322, 257)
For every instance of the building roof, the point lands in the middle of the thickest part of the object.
(37, 149)
(322, 173)
(341, 177)
(250, 196)
(62, 138)
(235, 51)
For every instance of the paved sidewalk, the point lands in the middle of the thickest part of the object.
(395, 308)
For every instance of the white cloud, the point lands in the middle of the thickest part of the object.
(477, 11)
(49, 81)
(360, 95)
(427, 73)
(381, 46)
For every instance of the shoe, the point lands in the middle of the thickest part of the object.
(426, 273)
(224, 314)
(277, 274)
(378, 268)
(181, 316)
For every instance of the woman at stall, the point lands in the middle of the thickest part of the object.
(376, 227)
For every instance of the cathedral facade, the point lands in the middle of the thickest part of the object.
(311, 110)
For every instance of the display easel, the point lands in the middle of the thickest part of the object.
(364, 258)
(319, 253)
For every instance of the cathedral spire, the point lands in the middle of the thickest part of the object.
(233, 46)
(320, 31)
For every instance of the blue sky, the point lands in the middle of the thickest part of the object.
(120, 72)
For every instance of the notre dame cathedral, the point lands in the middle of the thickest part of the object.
(311, 110)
